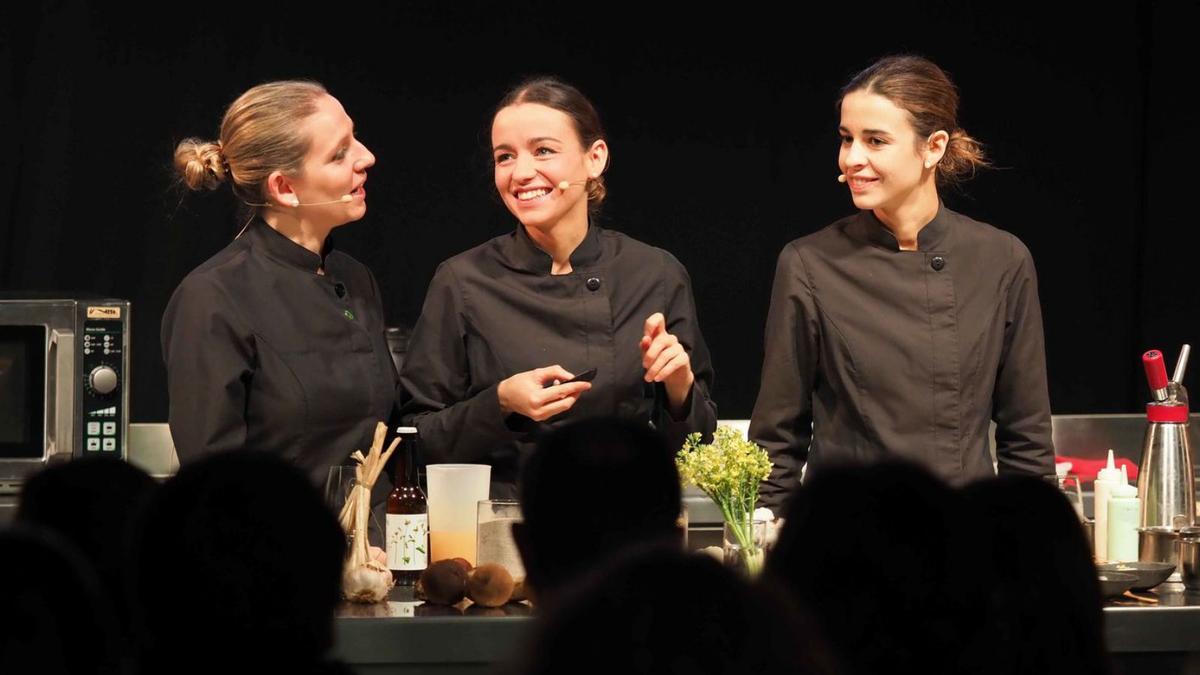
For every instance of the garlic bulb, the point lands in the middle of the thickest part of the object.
(364, 579)
(369, 582)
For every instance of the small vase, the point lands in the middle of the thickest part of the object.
(743, 545)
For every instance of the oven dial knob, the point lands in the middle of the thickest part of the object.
(103, 380)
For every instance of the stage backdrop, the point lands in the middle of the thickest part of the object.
(722, 130)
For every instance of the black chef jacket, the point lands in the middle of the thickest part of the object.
(495, 311)
(874, 352)
(264, 353)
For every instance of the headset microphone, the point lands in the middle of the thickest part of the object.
(344, 199)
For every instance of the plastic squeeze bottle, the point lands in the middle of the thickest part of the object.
(1124, 511)
(1106, 479)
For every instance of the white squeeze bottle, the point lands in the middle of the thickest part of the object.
(1106, 480)
(1124, 512)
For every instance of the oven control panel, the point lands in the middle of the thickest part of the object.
(105, 364)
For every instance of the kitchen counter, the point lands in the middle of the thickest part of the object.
(402, 636)
(1171, 625)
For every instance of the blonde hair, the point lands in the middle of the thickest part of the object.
(259, 134)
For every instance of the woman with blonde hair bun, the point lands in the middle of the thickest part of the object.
(276, 343)
(905, 329)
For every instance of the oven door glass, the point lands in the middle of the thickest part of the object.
(22, 392)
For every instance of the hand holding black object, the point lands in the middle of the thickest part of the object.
(527, 394)
(586, 376)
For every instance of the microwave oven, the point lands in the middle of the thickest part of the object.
(64, 381)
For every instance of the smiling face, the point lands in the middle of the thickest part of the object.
(535, 148)
(881, 156)
(336, 165)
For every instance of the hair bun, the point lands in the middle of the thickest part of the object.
(200, 164)
(964, 157)
(596, 191)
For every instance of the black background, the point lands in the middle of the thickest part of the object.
(721, 127)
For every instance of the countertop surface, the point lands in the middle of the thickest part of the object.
(1165, 619)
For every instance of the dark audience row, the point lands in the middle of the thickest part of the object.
(234, 565)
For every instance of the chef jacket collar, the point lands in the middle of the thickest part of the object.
(929, 238)
(526, 255)
(279, 247)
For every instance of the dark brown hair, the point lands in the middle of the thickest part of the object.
(554, 93)
(920, 87)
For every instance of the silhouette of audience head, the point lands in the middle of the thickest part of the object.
(588, 490)
(656, 610)
(1045, 595)
(92, 503)
(55, 618)
(239, 555)
(882, 557)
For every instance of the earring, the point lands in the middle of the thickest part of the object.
(295, 202)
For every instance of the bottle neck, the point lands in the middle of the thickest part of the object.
(403, 476)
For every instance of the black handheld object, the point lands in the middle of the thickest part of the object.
(586, 376)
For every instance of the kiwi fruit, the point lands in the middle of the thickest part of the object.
(442, 583)
(490, 585)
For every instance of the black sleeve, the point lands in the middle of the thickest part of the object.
(435, 382)
(1021, 402)
(782, 417)
(209, 354)
(682, 322)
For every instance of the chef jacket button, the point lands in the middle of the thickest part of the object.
(937, 263)
(593, 284)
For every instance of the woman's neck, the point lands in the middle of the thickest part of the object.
(560, 239)
(299, 230)
(907, 219)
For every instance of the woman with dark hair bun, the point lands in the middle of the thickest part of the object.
(508, 324)
(906, 328)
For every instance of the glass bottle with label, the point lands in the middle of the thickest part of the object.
(407, 515)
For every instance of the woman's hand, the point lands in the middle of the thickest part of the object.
(527, 394)
(666, 361)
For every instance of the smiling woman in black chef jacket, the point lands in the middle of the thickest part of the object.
(902, 330)
(507, 323)
(276, 343)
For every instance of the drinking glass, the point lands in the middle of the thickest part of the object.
(495, 543)
(455, 491)
(1068, 485)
